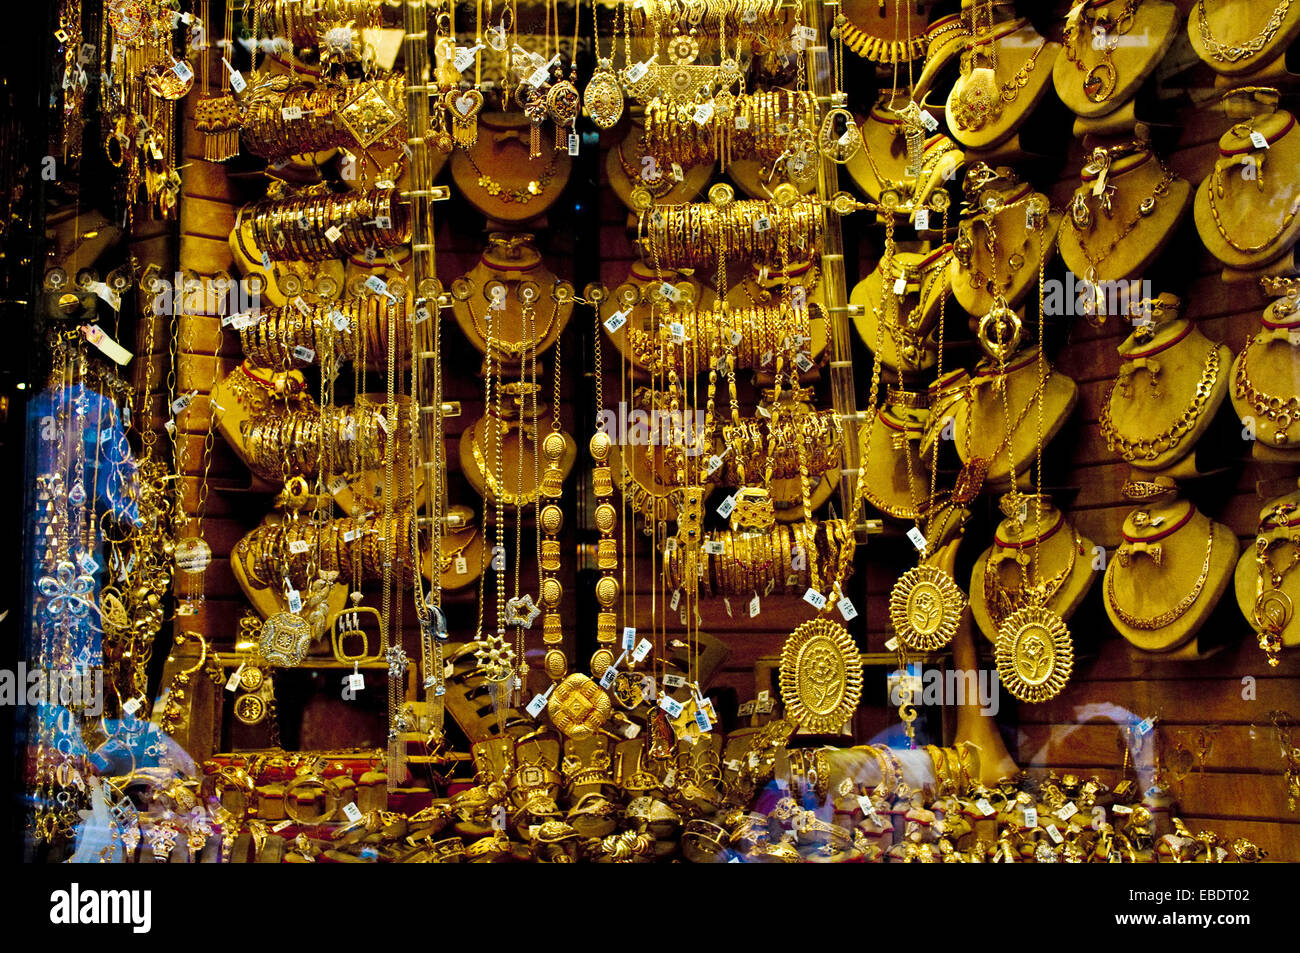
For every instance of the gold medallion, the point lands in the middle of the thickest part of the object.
(821, 676)
(925, 608)
(1035, 654)
(286, 637)
(578, 706)
(250, 709)
(604, 96)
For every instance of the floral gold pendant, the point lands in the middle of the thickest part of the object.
(925, 608)
(1035, 654)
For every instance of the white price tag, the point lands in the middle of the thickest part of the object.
(677, 331)
(674, 681)
(1067, 811)
(461, 566)
(339, 320)
(377, 285)
(616, 321)
(714, 547)
(677, 598)
(303, 307)
(678, 173)
(715, 464)
(847, 609)
(232, 683)
(237, 82)
(917, 537)
(464, 58)
(629, 638)
(294, 600)
(291, 113)
(985, 807)
(671, 706)
(357, 682)
(726, 506)
(671, 292)
(814, 599)
(803, 362)
(351, 811)
(922, 219)
(539, 76)
(337, 485)
(928, 121)
(900, 285)
(736, 338)
(703, 113)
(642, 650)
(892, 644)
(573, 143)
(702, 720)
(241, 321)
(607, 678)
(762, 223)
(802, 36)
(298, 546)
(869, 809)
(536, 705)
(131, 706)
(742, 122)
(1121, 809)
(266, 260)
(1054, 834)
(754, 607)
(107, 295)
(282, 826)
(369, 255)
(1257, 139)
(183, 71)
(304, 354)
(183, 401)
(1031, 816)
(106, 345)
(333, 233)
(637, 73)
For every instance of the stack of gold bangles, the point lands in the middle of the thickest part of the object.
(321, 227)
(749, 562)
(762, 330)
(274, 339)
(696, 234)
(757, 444)
(282, 119)
(757, 126)
(274, 552)
(342, 438)
(304, 21)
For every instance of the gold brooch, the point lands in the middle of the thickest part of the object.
(821, 676)
(925, 608)
(578, 706)
(1035, 655)
(286, 637)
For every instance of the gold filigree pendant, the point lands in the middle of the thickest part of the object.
(1035, 654)
(925, 608)
(821, 676)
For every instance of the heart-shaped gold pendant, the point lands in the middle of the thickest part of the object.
(464, 107)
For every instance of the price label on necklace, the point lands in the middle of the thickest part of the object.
(232, 683)
(369, 255)
(237, 82)
(629, 638)
(461, 566)
(671, 292)
(726, 506)
(183, 401)
(616, 321)
(106, 345)
(339, 320)
(303, 307)
(305, 354)
(677, 598)
(607, 678)
(847, 609)
(892, 644)
(917, 537)
(536, 705)
(671, 706)
(670, 544)
(637, 72)
(641, 651)
(1257, 139)
(295, 600)
(900, 285)
(754, 606)
(539, 76)
(677, 332)
(298, 546)
(573, 144)
(815, 599)
(985, 807)
(803, 362)
(1031, 816)
(703, 113)
(678, 173)
(356, 682)
(702, 720)
(715, 464)
(802, 36)
(349, 429)
(291, 113)
(464, 58)
(1054, 834)
(1067, 811)
(183, 71)
(352, 812)
(928, 121)
(922, 219)
(762, 223)
(674, 681)
(378, 286)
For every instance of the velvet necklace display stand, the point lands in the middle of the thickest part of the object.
(1159, 376)
(1271, 358)
(928, 283)
(1046, 547)
(1247, 576)
(1152, 585)
(896, 431)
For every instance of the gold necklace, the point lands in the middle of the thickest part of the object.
(1150, 448)
(517, 196)
(1283, 411)
(1226, 53)
(1216, 189)
(1273, 608)
(1099, 81)
(1001, 602)
(1172, 615)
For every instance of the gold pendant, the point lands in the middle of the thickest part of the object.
(464, 107)
(1035, 654)
(286, 637)
(563, 103)
(578, 706)
(250, 709)
(821, 676)
(979, 101)
(925, 608)
(604, 97)
(839, 149)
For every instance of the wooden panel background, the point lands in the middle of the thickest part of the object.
(1239, 788)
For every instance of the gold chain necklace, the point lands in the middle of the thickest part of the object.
(1283, 411)
(1172, 615)
(1001, 602)
(1226, 53)
(1216, 189)
(1151, 447)
(517, 196)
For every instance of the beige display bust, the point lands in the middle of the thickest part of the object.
(1266, 383)
(629, 172)
(463, 556)
(907, 341)
(1012, 268)
(1235, 38)
(497, 176)
(1057, 559)
(881, 165)
(980, 421)
(1159, 603)
(1094, 79)
(1281, 535)
(945, 38)
(1246, 214)
(945, 394)
(1171, 383)
(638, 292)
(509, 269)
(1146, 205)
(979, 115)
(898, 480)
(519, 466)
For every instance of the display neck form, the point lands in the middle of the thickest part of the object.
(1237, 39)
(1110, 48)
(1000, 81)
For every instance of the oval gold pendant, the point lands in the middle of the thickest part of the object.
(821, 676)
(1035, 654)
(1100, 82)
(603, 98)
(925, 608)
